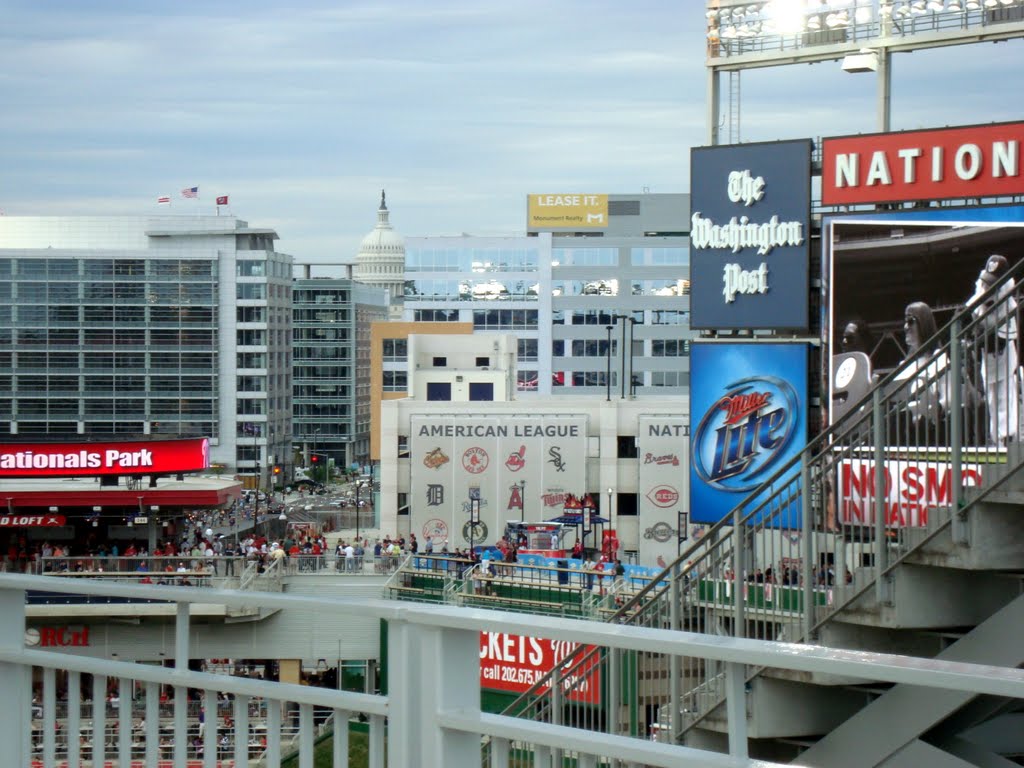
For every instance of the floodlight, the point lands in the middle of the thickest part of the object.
(813, 23)
(862, 15)
(917, 7)
(935, 6)
(866, 60)
(729, 32)
(885, 9)
(954, 6)
(991, 3)
(973, 5)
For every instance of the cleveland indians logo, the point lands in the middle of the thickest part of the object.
(744, 432)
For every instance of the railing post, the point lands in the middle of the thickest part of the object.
(736, 708)
(881, 544)
(675, 673)
(739, 544)
(440, 671)
(957, 515)
(807, 555)
(15, 707)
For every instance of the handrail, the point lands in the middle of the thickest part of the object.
(807, 481)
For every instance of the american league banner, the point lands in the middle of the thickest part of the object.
(508, 467)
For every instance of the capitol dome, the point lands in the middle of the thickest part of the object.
(381, 258)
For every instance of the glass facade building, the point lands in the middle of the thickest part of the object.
(147, 326)
(593, 311)
(331, 338)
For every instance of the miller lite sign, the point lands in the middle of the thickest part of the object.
(748, 419)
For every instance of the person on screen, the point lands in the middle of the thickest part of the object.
(924, 382)
(996, 347)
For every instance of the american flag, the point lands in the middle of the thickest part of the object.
(164, 199)
(190, 192)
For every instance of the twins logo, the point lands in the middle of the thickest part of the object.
(744, 432)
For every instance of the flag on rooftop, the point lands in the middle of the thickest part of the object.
(192, 192)
(222, 200)
(163, 200)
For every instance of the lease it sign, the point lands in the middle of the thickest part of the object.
(515, 662)
(942, 164)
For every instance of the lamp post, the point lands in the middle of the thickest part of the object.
(474, 519)
(522, 501)
(610, 520)
(359, 484)
(608, 366)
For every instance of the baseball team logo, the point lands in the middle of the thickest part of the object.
(663, 496)
(475, 460)
(516, 460)
(435, 459)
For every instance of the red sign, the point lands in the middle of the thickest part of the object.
(516, 662)
(87, 459)
(911, 489)
(58, 637)
(941, 164)
(31, 521)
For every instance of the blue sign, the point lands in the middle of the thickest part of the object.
(750, 235)
(748, 417)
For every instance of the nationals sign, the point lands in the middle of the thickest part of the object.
(86, 459)
(947, 163)
(515, 662)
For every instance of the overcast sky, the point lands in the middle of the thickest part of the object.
(303, 111)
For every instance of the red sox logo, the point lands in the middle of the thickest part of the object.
(475, 460)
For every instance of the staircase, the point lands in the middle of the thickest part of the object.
(898, 529)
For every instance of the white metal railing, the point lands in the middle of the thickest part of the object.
(432, 707)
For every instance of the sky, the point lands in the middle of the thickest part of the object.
(303, 111)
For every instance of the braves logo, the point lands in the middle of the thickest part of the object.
(743, 433)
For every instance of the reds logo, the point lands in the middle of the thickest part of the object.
(663, 496)
(475, 460)
(744, 432)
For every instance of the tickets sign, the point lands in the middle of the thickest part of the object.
(515, 662)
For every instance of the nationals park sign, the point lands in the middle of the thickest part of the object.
(121, 458)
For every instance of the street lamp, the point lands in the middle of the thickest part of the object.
(522, 501)
(608, 366)
(474, 520)
(359, 484)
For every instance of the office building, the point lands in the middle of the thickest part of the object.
(174, 325)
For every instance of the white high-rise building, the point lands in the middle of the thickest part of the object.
(147, 326)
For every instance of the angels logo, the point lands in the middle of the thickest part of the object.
(475, 460)
(516, 460)
(744, 432)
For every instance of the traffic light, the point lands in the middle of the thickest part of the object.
(314, 459)
(277, 469)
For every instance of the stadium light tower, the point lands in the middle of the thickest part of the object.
(863, 34)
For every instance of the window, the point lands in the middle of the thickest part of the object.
(668, 378)
(592, 347)
(670, 348)
(526, 381)
(652, 257)
(481, 390)
(505, 319)
(252, 290)
(586, 257)
(593, 317)
(526, 350)
(439, 391)
(436, 315)
(396, 381)
(483, 362)
(395, 350)
(627, 447)
(439, 362)
(670, 317)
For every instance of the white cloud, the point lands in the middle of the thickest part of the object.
(303, 112)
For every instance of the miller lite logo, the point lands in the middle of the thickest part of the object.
(744, 432)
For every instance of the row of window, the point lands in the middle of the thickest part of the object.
(111, 360)
(111, 314)
(185, 427)
(106, 269)
(107, 337)
(471, 260)
(91, 384)
(471, 290)
(119, 406)
(174, 293)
